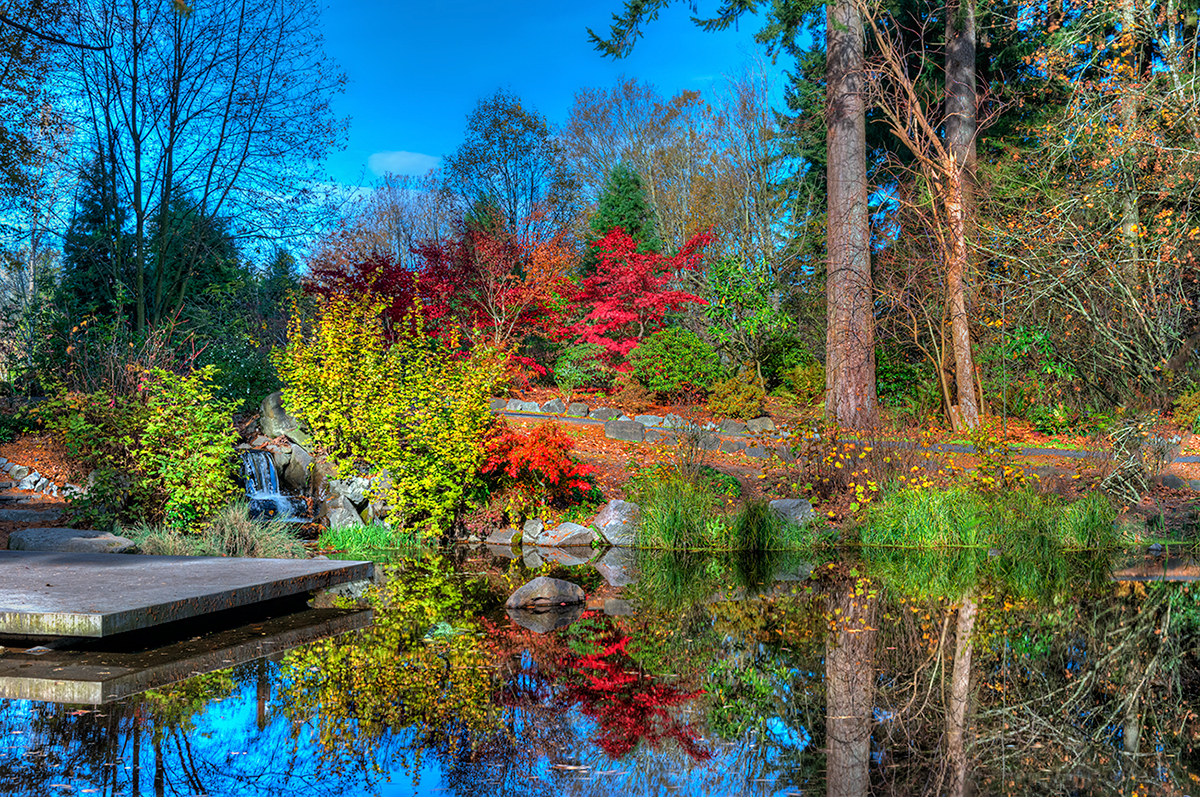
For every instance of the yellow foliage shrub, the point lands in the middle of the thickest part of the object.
(737, 397)
(416, 407)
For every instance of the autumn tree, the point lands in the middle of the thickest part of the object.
(510, 160)
(850, 336)
(631, 292)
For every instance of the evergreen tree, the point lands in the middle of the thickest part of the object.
(194, 256)
(97, 256)
(622, 204)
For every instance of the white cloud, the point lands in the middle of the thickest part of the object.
(382, 163)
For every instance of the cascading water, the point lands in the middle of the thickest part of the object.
(262, 490)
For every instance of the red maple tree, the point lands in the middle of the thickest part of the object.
(631, 292)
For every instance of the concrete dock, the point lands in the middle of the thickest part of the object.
(98, 595)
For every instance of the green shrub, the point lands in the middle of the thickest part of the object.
(14, 425)
(674, 360)
(163, 454)
(738, 397)
(807, 381)
(231, 532)
(1187, 410)
(413, 405)
(581, 365)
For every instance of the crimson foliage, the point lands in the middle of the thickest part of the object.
(631, 292)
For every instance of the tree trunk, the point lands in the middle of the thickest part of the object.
(849, 691)
(956, 269)
(850, 337)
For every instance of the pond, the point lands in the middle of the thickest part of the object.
(883, 673)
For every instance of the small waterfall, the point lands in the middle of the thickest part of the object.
(262, 490)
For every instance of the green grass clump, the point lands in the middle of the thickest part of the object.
(677, 514)
(231, 532)
(757, 527)
(1022, 520)
(365, 542)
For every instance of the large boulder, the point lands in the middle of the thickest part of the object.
(506, 536)
(794, 510)
(629, 431)
(353, 489)
(295, 475)
(338, 512)
(554, 406)
(275, 422)
(531, 531)
(62, 540)
(544, 593)
(617, 522)
(516, 405)
(567, 535)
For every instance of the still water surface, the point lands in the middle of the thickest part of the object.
(888, 673)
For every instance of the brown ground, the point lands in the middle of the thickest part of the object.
(45, 455)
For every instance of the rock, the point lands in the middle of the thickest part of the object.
(577, 409)
(604, 414)
(569, 556)
(673, 421)
(260, 441)
(710, 442)
(295, 475)
(42, 484)
(531, 531)
(1173, 482)
(8, 466)
(516, 405)
(763, 424)
(29, 481)
(731, 426)
(17, 472)
(618, 566)
(339, 512)
(799, 572)
(615, 607)
(70, 490)
(275, 421)
(554, 407)
(732, 446)
(1194, 484)
(29, 515)
(281, 455)
(69, 541)
(544, 592)
(631, 431)
(51, 491)
(353, 489)
(649, 420)
(794, 510)
(544, 622)
(617, 522)
(530, 556)
(503, 551)
(3, 461)
(508, 536)
(567, 535)
(497, 404)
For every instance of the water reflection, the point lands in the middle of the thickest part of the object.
(891, 674)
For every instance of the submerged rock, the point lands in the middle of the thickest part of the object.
(547, 620)
(544, 592)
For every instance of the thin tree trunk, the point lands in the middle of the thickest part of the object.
(960, 696)
(850, 395)
(956, 269)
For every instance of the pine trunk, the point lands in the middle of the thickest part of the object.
(850, 339)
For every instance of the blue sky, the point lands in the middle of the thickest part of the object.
(416, 70)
